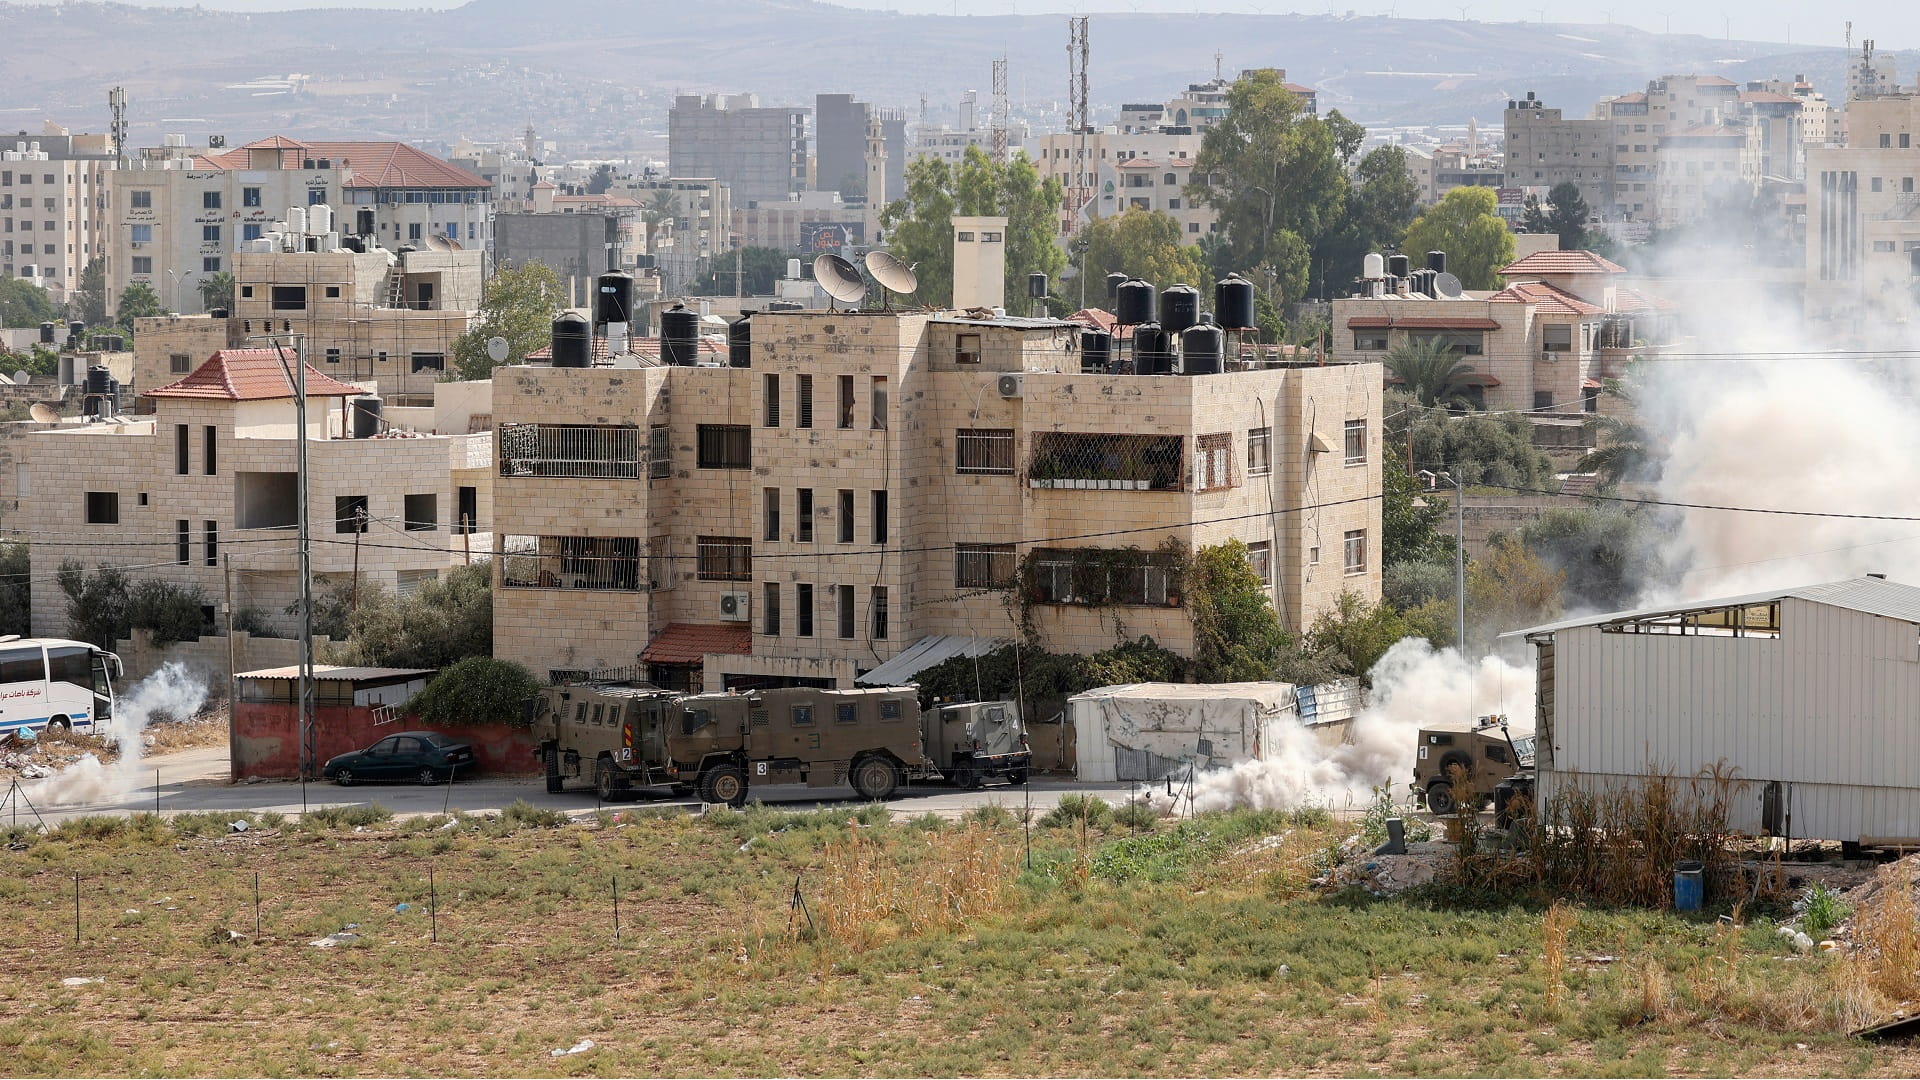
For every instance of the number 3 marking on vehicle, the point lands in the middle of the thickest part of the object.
(760, 768)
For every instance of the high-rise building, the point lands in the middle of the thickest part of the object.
(53, 191)
(759, 153)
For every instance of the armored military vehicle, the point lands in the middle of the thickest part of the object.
(1486, 757)
(721, 744)
(977, 740)
(612, 735)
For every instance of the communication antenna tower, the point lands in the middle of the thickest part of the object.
(1080, 191)
(117, 102)
(1000, 110)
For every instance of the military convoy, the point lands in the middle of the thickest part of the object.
(1490, 763)
(627, 739)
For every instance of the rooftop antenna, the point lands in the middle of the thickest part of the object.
(117, 103)
(838, 277)
(1079, 191)
(1217, 57)
(1000, 111)
(892, 274)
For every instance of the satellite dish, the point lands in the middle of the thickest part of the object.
(44, 413)
(839, 278)
(892, 274)
(436, 242)
(21, 378)
(497, 349)
(1445, 284)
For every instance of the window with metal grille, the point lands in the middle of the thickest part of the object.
(846, 401)
(878, 625)
(1260, 559)
(571, 562)
(982, 566)
(803, 716)
(803, 401)
(659, 452)
(1260, 451)
(1356, 442)
(1355, 543)
(803, 610)
(1066, 459)
(591, 451)
(1212, 462)
(770, 394)
(770, 514)
(183, 542)
(1094, 577)
(724, 558)
(983, 450)
(723, 446)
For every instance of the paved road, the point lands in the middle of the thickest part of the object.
(196, 781)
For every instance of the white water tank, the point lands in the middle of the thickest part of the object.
(297, 220)
(1374, 265)
(320, 218)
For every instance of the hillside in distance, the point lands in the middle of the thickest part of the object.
(591, 70)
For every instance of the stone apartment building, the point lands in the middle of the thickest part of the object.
(387, 319)
(759, 153)
(876, 478)
(1863, 217)
(178, 214)
(210, 475)
(53, 192)
(1540, 345)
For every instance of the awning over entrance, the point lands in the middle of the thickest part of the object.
(686, 643)
(925, 653)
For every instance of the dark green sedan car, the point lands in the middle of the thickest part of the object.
(427, 757)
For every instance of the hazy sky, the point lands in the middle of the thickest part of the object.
(1894, 24)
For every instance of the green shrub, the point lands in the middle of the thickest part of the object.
(523, 813)
(1820, 910)
(990, 816)
(347, 817)
(1135, 816)
(1077, 808)
(476, 690)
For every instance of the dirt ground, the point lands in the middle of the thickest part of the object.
(34, 758)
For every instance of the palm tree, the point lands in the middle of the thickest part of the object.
(216, 290)
(1622, 449)
(1434, 374)
(660, 209)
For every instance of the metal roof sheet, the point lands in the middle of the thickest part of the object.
(925, 653)
(1874, 596)
(336, 673)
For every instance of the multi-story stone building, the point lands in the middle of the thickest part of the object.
(1863, 217)
(53, 193)
(179, 215)
(759, 153)
(877, 478)
(841, 128)
(1543, 344)
(1545, 148)
(211, 475)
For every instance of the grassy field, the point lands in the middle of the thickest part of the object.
(922, 948)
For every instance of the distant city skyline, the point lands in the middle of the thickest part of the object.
(1894, 26)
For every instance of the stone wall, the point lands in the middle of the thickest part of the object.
(207, 657)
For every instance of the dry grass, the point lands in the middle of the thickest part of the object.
(1553, 932)
(874, 893)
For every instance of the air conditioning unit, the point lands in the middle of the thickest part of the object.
(736, 606)
(1010, 385)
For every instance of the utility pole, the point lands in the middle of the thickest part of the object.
(233, 686)
(1459, 565)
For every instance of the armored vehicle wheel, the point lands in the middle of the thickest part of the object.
(724, 784)
(967, 775)
(1440, 797)
(875, 778)
(607, 783)
(1016, 777)
(554, 780)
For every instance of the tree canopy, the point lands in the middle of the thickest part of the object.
(601, 181)
(1465, 225)
(1605, 555)
(22, 303)
(1567, 215)
(475, 690)
(216, 290)
(1434, 374)
(760, 269)
(137, 301)
(88, 300)
(1147, 244)
(517, 304)
(1495, 450)
(444, 620)
(1381, 203)
(918, 227)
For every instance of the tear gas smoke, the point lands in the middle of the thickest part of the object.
(172, 693)
(1414, 686)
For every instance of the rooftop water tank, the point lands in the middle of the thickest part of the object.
(1096, 350)
(1437, 261)
(1152, 350)
(1113, 285)
(679, 336)
(1233, 303)
(1133, 303)
(740, 342)
(320, 218)
(1373, 266)
(613, 298)
(1179, 308)
(366, 417)
(1036, 286)
(1397, 265)
(1200, 349)
(572, 341)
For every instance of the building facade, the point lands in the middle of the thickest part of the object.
(1863, 217)
(53, 196)
(874, 478)
(759, 153)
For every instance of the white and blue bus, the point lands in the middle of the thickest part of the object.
(55, 683)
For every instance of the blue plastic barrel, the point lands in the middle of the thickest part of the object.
(1689, 887)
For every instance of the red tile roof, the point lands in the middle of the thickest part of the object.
(686, 643)
(1419, 322)
(1768, 97)
(1714, 80)
(1563, 262)
(1546, 298)
(1638, 97)
(1101, 319)
(250, 375)
(1632, 300)
(374, 164)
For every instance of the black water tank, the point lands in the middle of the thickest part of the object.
(1133, 304)
(1152, 350)
(355, 244)
(1179, 308)
(219, 313)
(679, 336)
(1200, 349)
(99, 381)
(572, 341)
(1113, 285)
(740, 342)
(786, 305)
(1036, 286)
(1096, 350)
(75, 330)
(366, 417)
(613, 298)
(46, 333)
(1233, 303)
(1437, 261)
(363, 220)
(1398, 265)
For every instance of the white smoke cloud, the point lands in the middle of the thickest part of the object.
(1415, 686)
(172, 693)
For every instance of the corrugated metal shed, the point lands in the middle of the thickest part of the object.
(925, 653)
(1813, 704)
